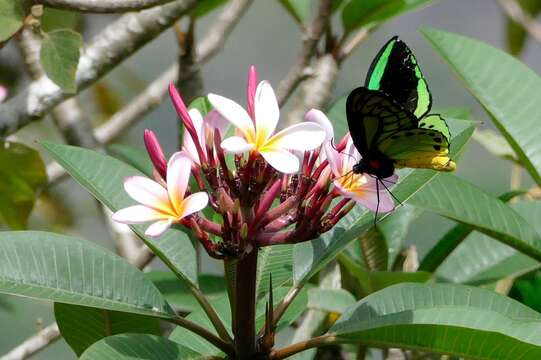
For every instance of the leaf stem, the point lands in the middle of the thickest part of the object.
(212, 315)
(226, 347)
(284, 304)
(324, 340)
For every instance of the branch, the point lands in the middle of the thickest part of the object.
(311, 36)
(34, 344)
(515, 12)
(352, 44)
(320, 341)
(110, 47)
(104, 6)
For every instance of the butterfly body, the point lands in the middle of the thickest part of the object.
(388, 117)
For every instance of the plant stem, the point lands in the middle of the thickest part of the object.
(324, 340)
(204, 333)
(283, 305)
(244, 319)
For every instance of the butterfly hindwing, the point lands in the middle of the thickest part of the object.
(395, 72)
(373, 116)
(424, 147)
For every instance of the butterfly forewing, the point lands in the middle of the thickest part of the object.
(372, 117)
(395, 72)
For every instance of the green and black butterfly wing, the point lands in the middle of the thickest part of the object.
(395, 72)
(373, 116)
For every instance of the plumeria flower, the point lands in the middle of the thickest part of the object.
(362, 188)
(163, 205)
(3, 93)
(257, 134)
(205, 131)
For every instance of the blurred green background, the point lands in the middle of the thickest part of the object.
(268, 38)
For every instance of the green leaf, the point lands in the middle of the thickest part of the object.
(330, 300)
(139, 346)
(529, 290)
(56, 19)
(481, 260)
(275, 260)
(59, 56)
(11, 18)
(206, 6)
(514, 106)
(312, 256)
(516, 34)
(202, 104)
(136, 157)
(452, 238)
(495, 144)
(23, 174)
(443, 318)
(369, 13)
(178, 294)
(67, 270)
(299, 9)
(457, 199)
(98, 324)
(103, 176)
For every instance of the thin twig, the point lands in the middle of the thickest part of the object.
(515, 12)
(284, 304)
(109, 48)
(226, 347)
(311, 36)
(34, 344)
(348, 48)
(104, 6)
(324, 340)
(211, 314)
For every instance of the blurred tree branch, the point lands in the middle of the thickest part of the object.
(311, 36)
(103, 6)
(515, 12)
(110, 47)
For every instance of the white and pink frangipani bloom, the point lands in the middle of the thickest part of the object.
(163, 205)
(205, 131)
(257, 136)
(362, 188)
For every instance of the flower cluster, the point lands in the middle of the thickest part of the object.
(265, 186)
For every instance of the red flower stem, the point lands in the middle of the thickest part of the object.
(274, 238)
(221, 158)
(267, 199)
(338, 207)
(209, 226)
(280, 210)
(280, 223)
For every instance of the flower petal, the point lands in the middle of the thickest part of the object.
(194, 203)
(179, 105)
(281, 160)
(137, 214)
(368, 196)
(304, 136)
(178, 174)
(236, 145)
(158, 228)
(148, 192)
(335, 160)
(267, 112)
(235, 114)
(322, 120)
(215, 120)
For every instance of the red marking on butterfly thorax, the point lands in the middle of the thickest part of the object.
(375, 164)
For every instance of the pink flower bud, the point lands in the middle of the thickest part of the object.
(251, 89)
(155, 152)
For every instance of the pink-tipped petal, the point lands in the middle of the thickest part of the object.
(235, 114)
(147, 192)
(155, 152)
(251, 89)
(137, 214)
(368, 196)
(194, 203)
(236, 145)
(267, 112)
(322, 120)
(334, 159)
(180, 107)
(281, 160)
(178, 175)
(3, 93)
(303, 136)
(215, 120)
(158, 228)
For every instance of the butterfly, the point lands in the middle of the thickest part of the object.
(389, 118)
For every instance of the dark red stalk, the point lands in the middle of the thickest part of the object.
(155, 152)
(280, 210)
